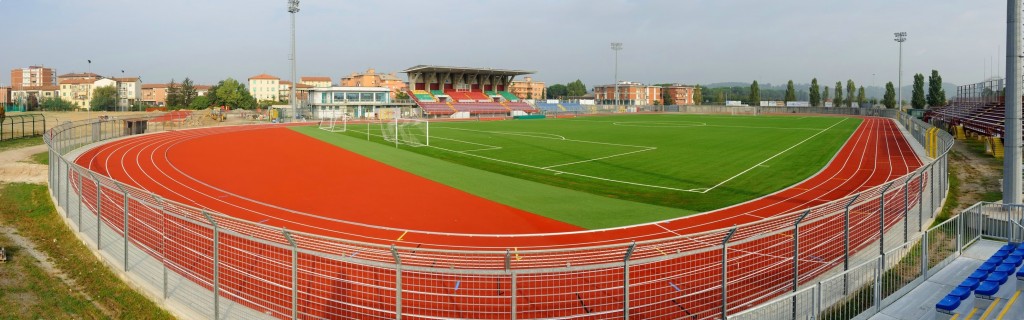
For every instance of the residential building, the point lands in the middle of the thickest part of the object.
(34, 76)
(316, 82)
(129, 90)
(630, 93)
(154, 94)
(373, 79)
(202, 89)
(528, 89)
(265, 87)
(78, 76)
(5, 96)
(21, 95)
(680, 94)
(77, 90)
(285, 87)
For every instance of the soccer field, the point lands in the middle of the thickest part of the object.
(692, 162)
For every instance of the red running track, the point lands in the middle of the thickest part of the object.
(234, 171)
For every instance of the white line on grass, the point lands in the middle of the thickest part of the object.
(773, 157)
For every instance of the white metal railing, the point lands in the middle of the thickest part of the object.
(207, 264)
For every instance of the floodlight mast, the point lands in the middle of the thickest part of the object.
(900, 37)
(616, 46)
(293, 8)
(1012, 183)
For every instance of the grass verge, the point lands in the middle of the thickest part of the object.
(42, 158)
(20, 143)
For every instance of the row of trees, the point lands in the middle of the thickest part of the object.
(228, 92)
(936, 95)
(571, 89)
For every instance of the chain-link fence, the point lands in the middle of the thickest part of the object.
(21, 126)
(207, 264)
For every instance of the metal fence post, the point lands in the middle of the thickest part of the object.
(881, 219)
(625, 280)
(515, 295)
(398, 282)
(906, 207)
(931, 186)
(99, 212)
(959, 233)
(81, 198)
(295, 273)
(846, 242)
(725, 272)
(216, 264)
(920, 200)
(126, 198)
(163, 241)
(879, 269)
(924, 254)
(796, 256)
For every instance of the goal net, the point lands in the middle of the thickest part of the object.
(410, 132)
(743, 111)
(334, 122)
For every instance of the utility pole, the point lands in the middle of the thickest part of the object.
(1012, 160)
(293, 7)
(900, 37)
(616, 46)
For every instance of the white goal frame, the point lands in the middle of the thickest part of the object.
(412, 132)
(337, 122)
(743, 111)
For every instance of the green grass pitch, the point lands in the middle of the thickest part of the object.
(682, 163)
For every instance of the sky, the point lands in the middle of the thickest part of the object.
(665, 41)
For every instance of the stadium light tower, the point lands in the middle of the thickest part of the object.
(900, 37)
(1012, 183)
(293, 8)
(616, 46)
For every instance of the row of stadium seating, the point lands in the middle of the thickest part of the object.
(984, 283)
(468, 96)
(560, 107)
(422, 95)
(447, 108)
(982, 118)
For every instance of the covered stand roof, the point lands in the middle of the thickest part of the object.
(466, 70)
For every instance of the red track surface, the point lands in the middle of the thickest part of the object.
(237, 170)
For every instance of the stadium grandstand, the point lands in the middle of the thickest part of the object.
(460, 92)
(977, 109)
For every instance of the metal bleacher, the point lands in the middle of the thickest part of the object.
(981, 118)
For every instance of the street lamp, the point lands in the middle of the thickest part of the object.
(616, 46)
(900, 37)
(293, 7)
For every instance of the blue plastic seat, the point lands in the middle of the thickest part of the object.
(1020, 273)
(1006, 268)
(979, 275)
(988, 266)
(1015, 260)
(987, 288)
(999, 256)
(948, 304)
(996, 259)
(999, 277)
(970, 284)
(960, 292)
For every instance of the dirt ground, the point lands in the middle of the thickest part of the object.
(979, 174)
(15, 166)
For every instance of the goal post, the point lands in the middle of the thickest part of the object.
(336, 121)
(743, 111)
(410, 132)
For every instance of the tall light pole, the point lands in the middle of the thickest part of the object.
(616, 46)
(900, 37)
(293, 7)
(1012, 160)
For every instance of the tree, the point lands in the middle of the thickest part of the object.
(56, 104)
(851, 93)
(229, 92)
(576, 88)
(936, 95)
(557, 91)
(790, 92)
(667, 98)
(815, 96)
(103, 98)
(401, 95)
(917, 100)
(824, 97)
(174, 98)
(200, 102)
(755, 94)
(861, 98)
(889, 99)
(188, 92)
(698, 95)
(838, 100)
(32, 103)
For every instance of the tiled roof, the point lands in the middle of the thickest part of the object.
(264, 76)
(316, 79)
(77, 81)
(154, 85)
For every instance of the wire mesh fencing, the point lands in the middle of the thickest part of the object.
(839, 258)
(21, 126)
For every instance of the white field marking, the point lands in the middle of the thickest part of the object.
(601, 158)
(660, 124)
(773, 157)
(753, 127)
(667, 229)
(702, 124)
(514, 133)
